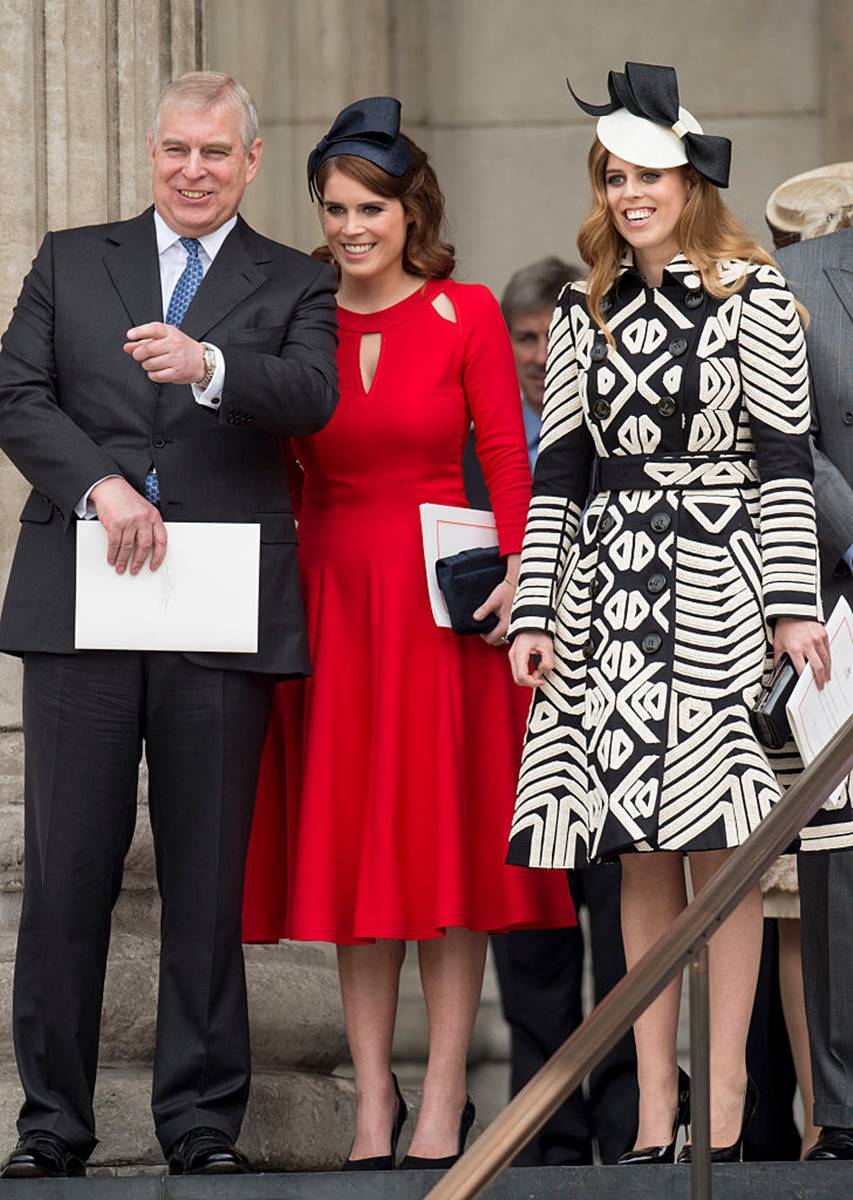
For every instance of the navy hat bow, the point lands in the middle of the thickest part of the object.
(651, 92)
(368, 129)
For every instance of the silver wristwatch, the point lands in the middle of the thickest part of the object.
(209, 366)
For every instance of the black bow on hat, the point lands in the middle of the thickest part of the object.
(652, 92)
(368, 129)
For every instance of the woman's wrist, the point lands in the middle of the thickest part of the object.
(513, 562)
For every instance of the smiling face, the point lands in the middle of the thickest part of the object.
(645, 204)
(529, 334)
(365, 232)
(199, 167)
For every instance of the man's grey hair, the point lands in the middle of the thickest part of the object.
(536, 288)
(211, 89)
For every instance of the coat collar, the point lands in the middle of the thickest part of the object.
(678, 271)
(240, 268)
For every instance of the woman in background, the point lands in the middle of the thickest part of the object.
(403, 748)
(651, 606)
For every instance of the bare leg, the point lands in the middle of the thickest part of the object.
(370, 981)
(653, 894)
(734, 953)
(794, 1007)
(452, 978)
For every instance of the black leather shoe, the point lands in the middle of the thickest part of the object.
(206, 1151)
(664, 1154)
(734, 1152)
(42, 1155)
(834, 1142)
(383, 1162)
(413, 1163)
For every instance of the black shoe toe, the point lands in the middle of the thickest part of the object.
(42, 1155)
(206, 1151)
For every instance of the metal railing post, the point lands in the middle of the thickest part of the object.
(700, 1079)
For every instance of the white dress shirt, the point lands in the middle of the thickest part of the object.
(173, 259)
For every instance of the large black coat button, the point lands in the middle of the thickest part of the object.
(593, 587)
(667, 406)
(656, 583)
(651, 643)
(660, 522)
(601, 409)
(606, 523)
(677, 347)
(598, 352)
(694, 299)
(587, 649)
(159, 443)
(848, 418)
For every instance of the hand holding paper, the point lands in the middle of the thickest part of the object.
(134, 527)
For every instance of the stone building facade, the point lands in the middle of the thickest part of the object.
(482, 87)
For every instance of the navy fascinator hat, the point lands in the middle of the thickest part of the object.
(645, 124)
(367, 129)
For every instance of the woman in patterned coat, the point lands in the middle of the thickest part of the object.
(670, 554)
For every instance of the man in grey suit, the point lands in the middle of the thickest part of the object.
(150, 372)
(820, 272)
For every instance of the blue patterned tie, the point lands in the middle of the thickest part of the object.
(185, 289)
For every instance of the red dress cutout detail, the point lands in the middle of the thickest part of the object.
(388, 778)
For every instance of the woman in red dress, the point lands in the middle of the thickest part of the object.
(401, 751)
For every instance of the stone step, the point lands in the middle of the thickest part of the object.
(736, 1181)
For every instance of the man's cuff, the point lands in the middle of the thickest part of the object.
(84, 508)
(211, 396)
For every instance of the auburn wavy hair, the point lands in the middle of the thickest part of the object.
(425, 252)
(707, 231)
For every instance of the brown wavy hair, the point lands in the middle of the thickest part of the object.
(707, 231)
(425, 252)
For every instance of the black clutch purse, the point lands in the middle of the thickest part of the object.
(467, 579)
(769, 719)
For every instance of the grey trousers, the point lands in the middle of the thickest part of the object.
(826, 897)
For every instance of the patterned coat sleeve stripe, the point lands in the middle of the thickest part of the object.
(560, 478)
(776, 392)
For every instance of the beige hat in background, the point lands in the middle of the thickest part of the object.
(808, 205)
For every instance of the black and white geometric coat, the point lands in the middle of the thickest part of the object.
(672, 521)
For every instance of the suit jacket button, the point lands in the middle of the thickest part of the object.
(660, 522)
(606, 523)
(667, 406)
(587, 650)
(651, 643)
(677, 347)
(159, 443)
(694, 299)
(656, 584)
(599, 352)
(601, 409)
(848, 418)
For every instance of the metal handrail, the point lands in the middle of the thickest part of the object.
(683, 943)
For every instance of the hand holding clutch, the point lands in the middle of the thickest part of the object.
(768, 718)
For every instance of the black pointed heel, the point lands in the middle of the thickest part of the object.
(734, 1152)
(384, 1162)
(664, 1154)
(413, 1163)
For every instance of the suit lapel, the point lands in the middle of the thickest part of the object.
(842, 282)
(236, 272)
(134, 268)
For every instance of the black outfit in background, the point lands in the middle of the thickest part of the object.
(539, 975)
(75, 408)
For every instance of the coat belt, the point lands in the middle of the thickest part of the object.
(662, 472)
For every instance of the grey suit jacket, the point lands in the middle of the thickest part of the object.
(74, 408)
(820, 273)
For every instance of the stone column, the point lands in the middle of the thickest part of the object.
(79, 82)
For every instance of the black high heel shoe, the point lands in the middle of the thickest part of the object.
(665, 1154)
(384, 1162)
(734, 1152)
(413, 1163)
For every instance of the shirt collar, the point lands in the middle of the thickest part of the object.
(212, 242)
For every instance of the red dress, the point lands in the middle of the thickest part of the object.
(388, 778)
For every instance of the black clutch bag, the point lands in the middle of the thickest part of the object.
(467, 579)
(769, 719)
